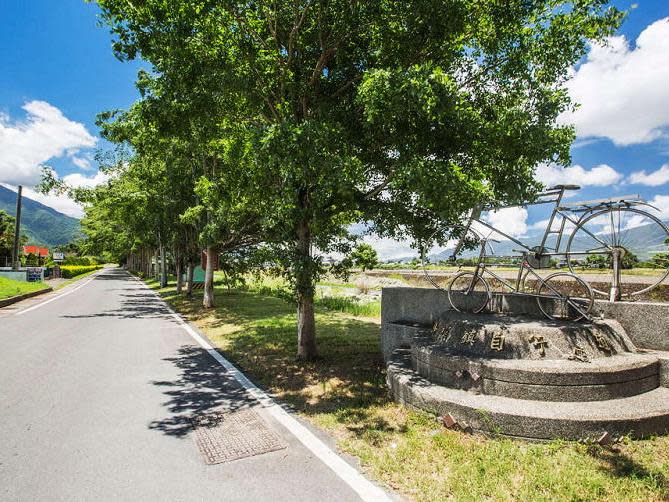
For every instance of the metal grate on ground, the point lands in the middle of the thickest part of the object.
(223, 436)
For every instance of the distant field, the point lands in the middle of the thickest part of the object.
(9, 288)
(641, 272)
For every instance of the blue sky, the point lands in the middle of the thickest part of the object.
(57, 72)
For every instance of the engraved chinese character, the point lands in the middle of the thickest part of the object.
(497, 342)
(539, 343)
(579, 355)
(602, 342)
(468, 337)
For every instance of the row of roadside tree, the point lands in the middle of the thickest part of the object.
(267, 131)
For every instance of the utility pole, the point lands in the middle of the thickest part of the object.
(16, 260)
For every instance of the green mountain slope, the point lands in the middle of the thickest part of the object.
(42, 224)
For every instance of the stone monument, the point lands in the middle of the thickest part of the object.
(514, 373)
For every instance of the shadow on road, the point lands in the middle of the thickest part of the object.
(203, 386)
(133, 306)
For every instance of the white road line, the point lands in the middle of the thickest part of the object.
(367, 490)
(70, 291)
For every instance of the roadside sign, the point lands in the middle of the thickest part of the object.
(34, 274)
(58, 256)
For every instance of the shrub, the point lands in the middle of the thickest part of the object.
(350, 306)
(363, 286)
(81, 260)
(69, 271)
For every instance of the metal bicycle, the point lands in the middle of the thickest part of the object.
(561, 295)
(614, 232)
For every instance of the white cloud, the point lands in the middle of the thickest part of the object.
(62, 203)
(602, 175)
(654, 179)
(81, 162)
(390, 249)
(622, 91)
(45, 134)
(539, 225)
(77, 180)
(510, 220)
(661, 202)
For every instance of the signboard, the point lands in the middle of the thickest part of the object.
(58, 256)
(34, 274)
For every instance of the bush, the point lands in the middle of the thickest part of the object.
(363, 286)
(69, 271)
(81, 260)
(350, 306)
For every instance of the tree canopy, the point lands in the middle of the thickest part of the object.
(292, 120)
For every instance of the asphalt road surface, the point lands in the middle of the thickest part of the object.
(98, 384)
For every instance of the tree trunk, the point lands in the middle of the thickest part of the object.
(208, 299)
(156, 270)
(189, 279)
(306, 323)
(177, 268)
(163, 267)
(145, 263)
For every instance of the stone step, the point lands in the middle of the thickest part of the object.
(639, 416)
(612, 377)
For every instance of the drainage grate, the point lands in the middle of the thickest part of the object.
(224, 436)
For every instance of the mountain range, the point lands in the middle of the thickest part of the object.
(41, 224)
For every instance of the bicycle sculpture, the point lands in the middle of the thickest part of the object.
(612, 232)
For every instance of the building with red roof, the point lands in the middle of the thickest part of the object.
(41, 252)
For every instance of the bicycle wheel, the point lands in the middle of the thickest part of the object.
(633, 235)
(468, 292)
(565, 296)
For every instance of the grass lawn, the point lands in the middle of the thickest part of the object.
(9, 287)
(345, 394)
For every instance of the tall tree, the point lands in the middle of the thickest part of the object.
(401, 113)
(7, 226)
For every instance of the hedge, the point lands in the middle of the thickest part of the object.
(69, 271)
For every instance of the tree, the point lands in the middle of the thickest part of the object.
(597, 261)
(629, 260)
(7, 225)
(365, 257)
(6, 236)
(403, 114)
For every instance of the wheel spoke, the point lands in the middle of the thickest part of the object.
(635, 232)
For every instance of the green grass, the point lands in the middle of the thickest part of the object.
(344, 392)
(9, 287)
(278, 288)
(349, 306)
(331, 284)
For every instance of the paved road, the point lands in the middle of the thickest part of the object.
(96, 393)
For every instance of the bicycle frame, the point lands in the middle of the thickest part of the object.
(524, 266)
(554, 196)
